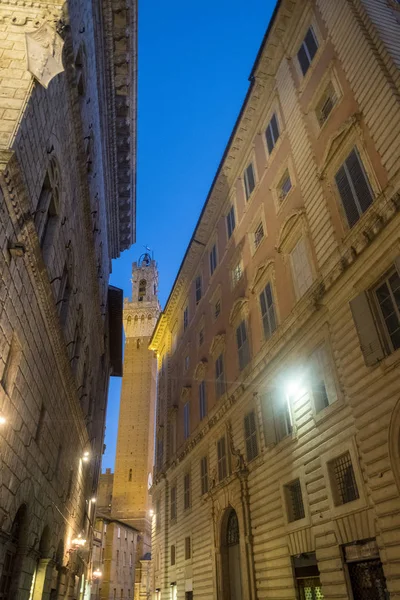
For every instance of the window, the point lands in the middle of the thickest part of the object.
(117, 558)
(142, 290)
(213, 259)
(230, 221)
(47, 210)
(268, 311)
(130, 475)
(124, 560)
(258, 235)
(387, 295)
(294, 501)
(186, 491)
(237, 273)
(219, 376)
(242, 341)
(277, 417)
(119, 532)
(204, 475)
(217, 309)
(198, 291)
(173, 555)
(201, 337)
(250, 434)
(158, 514)
(301, 268)
(222, 459)
(306, 574)
(249, 180)
(326, 104)
(202, 399)
(185, 318)
(64, 296)
(322, 381)
(186, 362)
(188, 549)
(354, 188)
(308, 50)
(272, 133)
(160, 453)
(343, 479)
(11, 367)
(186, 428)
(285, 185)
(130, 560)
(173, 502)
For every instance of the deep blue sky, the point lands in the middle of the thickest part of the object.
(195, 58)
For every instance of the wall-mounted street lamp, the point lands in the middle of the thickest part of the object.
(86, 456)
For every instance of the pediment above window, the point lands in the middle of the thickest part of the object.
(201, 370)
(294, 224)
(265, 271)
(240, 310)
(185, 393)
(217, 345)
(336, 141)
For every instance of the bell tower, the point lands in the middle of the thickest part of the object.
(135, 442)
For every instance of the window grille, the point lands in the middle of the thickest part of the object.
(201, 337)
(231, 221)
(354, 188)
(222, 459)
(258, 235)
(326, 104)
(294, 501)
(219, 376)
(173, 502)
(213, 259)
(285, 185)
(344, 479)
(188, 548)
(242, 341)
(272, 133)
(237, 273)
(217, 309)
(204, 475)
(307, 51)
(199, 291)
(249, 180)
(232, 529)
(202, 399)
(387, 295)
(186, 493)
(268, 311)
(250, 432)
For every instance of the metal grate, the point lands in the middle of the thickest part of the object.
(310, 588)
(295, 501)
(346, 486)
(232, 530)
(367, 580)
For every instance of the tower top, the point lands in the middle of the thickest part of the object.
(144, 279)
(141, 313)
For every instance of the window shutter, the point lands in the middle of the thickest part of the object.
(370, 343)
(359, 180)
(267, 406)
(349, 205)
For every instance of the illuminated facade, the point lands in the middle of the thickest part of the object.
(67, 207)
(278, 417)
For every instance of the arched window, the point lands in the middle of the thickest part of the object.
(232, 530)
(130, 475)
(230, 557)
(142, 290)
(47, 211)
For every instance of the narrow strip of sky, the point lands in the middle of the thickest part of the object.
(194, 63)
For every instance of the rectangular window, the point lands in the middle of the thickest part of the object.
(158, 515)
(185, 318)
(258, 235)
(188, 548)
(130, 560)
(64, 296)
(186, 363)
(343, 479)
(250, 434)
(160, 453)
(354, 188)
(301, 269)
(119, 532)
(272, 133)
(222, 459)
(124, 560)
(173, 557)
(326, 104)
(173, 502)
(204, 475)
(230, 221)
(387, 295)
(213, 259)
(307, 51)
(199, 291)
(201, 337)
(242, 341)
(249, 180)
(285, 185)
(186, 491)
(307, 577)
(322, 381)
(217, 309)
(268, 311)
(237, 273)
(186, 424)
(294, 501)
(282, 416)
(11, 367)
(219, 376)
(117, 558)
(202, 399)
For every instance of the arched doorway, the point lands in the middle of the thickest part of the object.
(230, 555)
(12, 557)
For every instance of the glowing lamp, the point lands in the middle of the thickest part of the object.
(97, 573)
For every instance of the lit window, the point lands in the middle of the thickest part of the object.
(198, 286)
(219, 376)
(272, 133)
(230, 221)
(222, 459)
(242, 341)
(258, 235)
(285, 185)
(186, 491)
(249, 180)
(204, 475)
(202, 399)
(268, 311)
(294, 501)
(354, 188)
(343, 479)
(250, 434)
(301, 268)
(326, 104)
(213, 259)
(185, 318)
(308, 50)
(237, 273)
(387, 295)
(186, 428)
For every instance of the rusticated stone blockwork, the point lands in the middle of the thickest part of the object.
(277, 465)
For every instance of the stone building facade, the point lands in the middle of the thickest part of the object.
(67, 207)
(278, 419)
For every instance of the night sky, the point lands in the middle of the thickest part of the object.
(194, 62)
